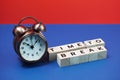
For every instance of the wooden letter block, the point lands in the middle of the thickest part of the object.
(74, 57)
(53, 53)
(52, 56)
(94, 42)
(92, 54)
(83, 55)
(69, 47)
(56, 49)
(63, 59)
(102, 52)
(79, 45)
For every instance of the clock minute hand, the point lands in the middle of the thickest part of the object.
(36, 41)
(31, 40)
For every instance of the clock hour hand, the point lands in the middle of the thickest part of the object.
(27, 44)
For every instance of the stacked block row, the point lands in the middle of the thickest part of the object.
(81, 56)
(79, 52)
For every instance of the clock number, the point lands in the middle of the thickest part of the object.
(26, 39)
(32, 54)
(40, 49)
(24, 52)
(22, 47)
(28, 54)
(37, 53)
(23, 43)
(40, 44)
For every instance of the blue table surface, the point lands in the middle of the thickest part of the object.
(58, 34)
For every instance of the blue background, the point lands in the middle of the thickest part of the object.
(58, 34)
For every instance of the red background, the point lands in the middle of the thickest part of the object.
(62, 11)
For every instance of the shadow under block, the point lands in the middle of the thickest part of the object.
(81, 56)
(53, 51)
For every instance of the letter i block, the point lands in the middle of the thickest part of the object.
(63, 59)
(102, 52)
(94, 42)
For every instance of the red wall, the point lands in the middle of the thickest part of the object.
(62, 11)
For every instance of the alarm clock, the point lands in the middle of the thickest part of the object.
(29, 42)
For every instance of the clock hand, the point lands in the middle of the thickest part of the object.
(27, 44)
(36, 41)
(31, 40)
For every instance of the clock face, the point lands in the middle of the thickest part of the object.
(32, 47)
